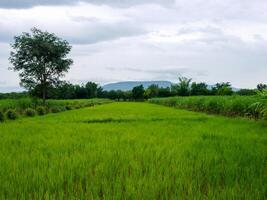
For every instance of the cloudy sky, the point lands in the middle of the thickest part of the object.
(118, 40)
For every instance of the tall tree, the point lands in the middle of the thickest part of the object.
(183, 87)
(138, 92)
(91, 89)
(41, 59)
(152, 91)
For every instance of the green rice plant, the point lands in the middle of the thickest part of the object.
(30, 112)
(11, 114)
(127, 150)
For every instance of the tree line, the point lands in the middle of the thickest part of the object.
(185, 87)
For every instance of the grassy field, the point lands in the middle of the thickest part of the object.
(133, 151)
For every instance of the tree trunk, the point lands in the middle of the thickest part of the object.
(44, 94)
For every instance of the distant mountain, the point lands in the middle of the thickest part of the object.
(128, 85)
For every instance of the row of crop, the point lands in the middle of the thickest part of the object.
(252, 107)
(14, 110)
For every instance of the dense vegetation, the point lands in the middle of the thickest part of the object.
(132, 151)
(65, 90)
(250, 106)
(12, 108)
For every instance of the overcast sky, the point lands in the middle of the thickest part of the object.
(118, 40)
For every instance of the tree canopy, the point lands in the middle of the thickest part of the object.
(41, 59)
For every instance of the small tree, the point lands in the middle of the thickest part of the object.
(138, 92)
(40, 57)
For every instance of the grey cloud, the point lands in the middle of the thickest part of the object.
(101, 32)
(89, 32)
(120, 3)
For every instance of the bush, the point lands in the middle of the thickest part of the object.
(264, 114)
(68, 107)
(41, 110)
(255, 110)
(77, 106)
(11, 114)
(30, 112)
(56, 109)
(2, 117)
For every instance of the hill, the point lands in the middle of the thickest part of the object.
(128, 85)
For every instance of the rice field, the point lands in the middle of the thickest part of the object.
(129, 150)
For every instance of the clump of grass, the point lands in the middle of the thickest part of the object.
(41, 110)
(11, 114)
(2, 116)
(30, 112)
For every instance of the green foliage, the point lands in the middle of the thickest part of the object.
(262, 93)
(56, 109)
(68, 107)
(2, 116)
(133, 151)
(222, 89)
(11, 114)
(256, 110)
(199, 89)
(30, 112)
(262, 86)
(152, 91)
(138, 92)
(40, 58)
(41, 110)
(183, 87)
(252, 107)
(246, 92)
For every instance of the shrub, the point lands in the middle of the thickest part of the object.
(2, 117)
(41, 110)
(30, 112)
(68, 107)
(264, 114)
(77, 106)
(255, 110)
(11, 114)
(56, 109)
